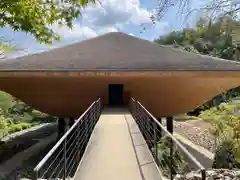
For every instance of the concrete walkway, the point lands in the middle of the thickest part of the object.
(111, 153)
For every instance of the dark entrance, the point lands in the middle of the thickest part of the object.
(115, 94)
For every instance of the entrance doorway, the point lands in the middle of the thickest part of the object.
(115, 94)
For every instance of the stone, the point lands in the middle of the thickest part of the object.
(211, 174)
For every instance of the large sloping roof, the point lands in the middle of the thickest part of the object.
(117, 51)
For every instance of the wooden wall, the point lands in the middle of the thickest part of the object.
(163, 94)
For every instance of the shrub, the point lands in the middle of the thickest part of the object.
(15, 115)
(45, 119)
(5, 121)
(226, 129)
(225, 157)
(179, 165)
(15, 127)
(25, 125)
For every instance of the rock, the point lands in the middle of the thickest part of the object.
(211, 174)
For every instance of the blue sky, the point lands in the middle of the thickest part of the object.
(114, 15)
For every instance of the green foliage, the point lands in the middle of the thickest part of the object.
(179, 165)
(16, 115)
(226, 150)
(215, 114)
(228, 96)
(37, 16)
(6, 101)
(16, 127)
(4, 122)
(19, 126)
(220, 38)
(226, 128)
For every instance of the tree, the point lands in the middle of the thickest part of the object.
(213, 8)
(218, 38)
(37, 16)
(2, 54)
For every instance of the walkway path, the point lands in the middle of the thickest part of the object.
(112, 152)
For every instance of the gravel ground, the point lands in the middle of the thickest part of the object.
(212, 174)
(196, 131)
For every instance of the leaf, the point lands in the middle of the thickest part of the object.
(6, 101)
(36, 17)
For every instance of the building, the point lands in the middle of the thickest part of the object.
(65, 81)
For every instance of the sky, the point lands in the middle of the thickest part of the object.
(111, 16)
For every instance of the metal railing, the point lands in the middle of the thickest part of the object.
(62, 160)
(170, 155)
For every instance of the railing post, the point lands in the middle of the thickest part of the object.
(93, 111)
(36, 175)
(65, 160)
(170, 130)
(95, 114)
(155, 143)
(99, 108)
(170, 124)
(85, 125)
(203, 174)
(134, 109)
(136, 112)
(171, 158)
(78, 138)
(94, 117)
(159, 129)
(61, 127)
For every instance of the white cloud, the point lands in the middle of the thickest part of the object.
(115, 13)
(77, 31)
(97, 19)
(131, 34)
(106, 30)
(28, 45)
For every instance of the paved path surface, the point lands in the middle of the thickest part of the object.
(111, 152)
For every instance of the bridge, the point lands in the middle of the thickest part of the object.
(107, 143)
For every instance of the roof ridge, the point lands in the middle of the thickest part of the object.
(118, 50)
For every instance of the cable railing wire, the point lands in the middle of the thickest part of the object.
(62, 160)
(170, 155)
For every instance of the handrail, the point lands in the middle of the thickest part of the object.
(62, 140)
(183, 149)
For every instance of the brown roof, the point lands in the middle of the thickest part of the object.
(117, 51)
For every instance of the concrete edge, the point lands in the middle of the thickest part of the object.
(17, 160)
(198, 148)
(137, 130)
(19, 133)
